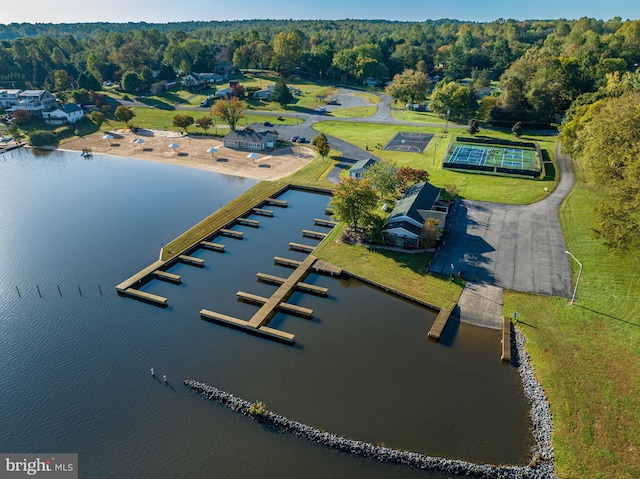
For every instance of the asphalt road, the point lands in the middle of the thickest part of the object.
(514, 247)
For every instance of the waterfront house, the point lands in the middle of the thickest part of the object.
(69, 113)
(34, 101)
(419, 203)
(248, 139)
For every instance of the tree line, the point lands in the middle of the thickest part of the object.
(541, 66)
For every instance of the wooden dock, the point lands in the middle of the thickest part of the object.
(248, 222)
(263, 212)
(314, 234)
(276, 202)
(312, 288)
(264, 331)
(165, 276)
(328, 211)
(292, 263)
(323, 267)
(301, 247)
(286, 307)
(144, 296)
(191, 260)
(506, 339)
(265, 313)
(231, 233)
(269, 278)
(439, 324)
(212, 246)
(323, 222)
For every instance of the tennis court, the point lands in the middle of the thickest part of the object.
(410, 142)
(496, 158)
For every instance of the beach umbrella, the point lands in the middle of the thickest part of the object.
(174, 146)
(252, 156)
(107, 137)
(212, 150)
(139, 141)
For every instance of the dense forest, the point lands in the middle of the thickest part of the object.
(540, 66)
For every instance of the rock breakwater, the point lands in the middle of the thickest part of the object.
(540, 467)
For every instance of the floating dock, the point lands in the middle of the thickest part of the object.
(286, 307)
(230, 321)
(144, 296)
(263, 212)
(323, 222)
(212, 246)
(314, 234)
(248, 222)
(276, 202)
(191, 260)
(232, 233)
(301, 247)
(506, 339)
(269, 278)
(170, 277)
(292, 263)
(439, 324)
(312, 288)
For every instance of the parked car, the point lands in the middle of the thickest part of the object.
(268, 123)
(294, 139)
(322, 109)
(206, 102)
(333, 102)
(302, 139)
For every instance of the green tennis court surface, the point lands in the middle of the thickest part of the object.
(492, 158)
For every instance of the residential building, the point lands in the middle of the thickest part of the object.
(198, 80)
(359, 167)
(9, 98)
(69, 113)
(419, 203)
(34, 101)
(249, 139)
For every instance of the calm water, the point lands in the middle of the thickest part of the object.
(76, 367)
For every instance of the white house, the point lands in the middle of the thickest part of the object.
(359, 167)
(419, 203)
(69, 113)
(248, 139)
(194, 80)
(34, 101)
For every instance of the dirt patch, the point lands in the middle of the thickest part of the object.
(192, 152)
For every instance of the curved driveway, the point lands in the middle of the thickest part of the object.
(514, 247)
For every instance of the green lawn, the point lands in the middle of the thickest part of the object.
(586, 356)
(355, 112)
(418, 116)
(498, 189)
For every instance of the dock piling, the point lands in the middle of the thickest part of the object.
(38, 288)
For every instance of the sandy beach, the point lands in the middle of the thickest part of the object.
(192, 152)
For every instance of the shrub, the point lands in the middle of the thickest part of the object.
(42, 138)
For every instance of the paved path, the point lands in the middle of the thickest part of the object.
(515, 247)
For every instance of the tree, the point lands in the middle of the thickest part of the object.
(123, 113)
(287, 47)
(97, 117)
(460, 101)
(87, 81)
(452, 191)
(42, 138)
(322, 144)
(204, 122)
(22, 117)
(408, 176)
(281, 93)
(383, 177)
(183, 121)
(130, 81)
(431, 233)
(353, 200)
(230, 111)
(473, 126)
(410, 86)
(517, 129)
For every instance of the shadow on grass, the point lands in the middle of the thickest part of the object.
(549, 167)
(609, 316)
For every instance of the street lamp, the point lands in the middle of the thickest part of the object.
(298, 125)
(451, 275)
(446, 125)
(573, 297)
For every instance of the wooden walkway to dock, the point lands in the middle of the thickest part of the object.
(439, 324)
(231, 233)
(144, 296)
(506, 339)
(248, 222)
(323, 267)
(212, 246)
(170, 277)
(263, 212)
(276, 202)
(191, 260)
(323, 222)
(301, 247)
(292, 263)
(314, 234)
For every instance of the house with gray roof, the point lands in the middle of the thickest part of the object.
(249, 139)
(359, 167)
(419, 203)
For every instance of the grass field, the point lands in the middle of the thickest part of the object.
(586, 356)
(471, 185)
